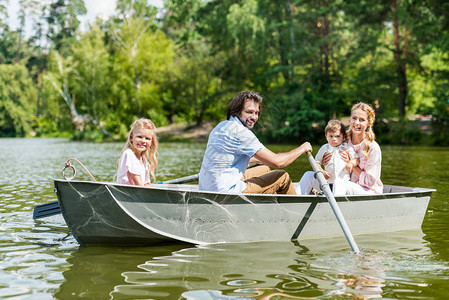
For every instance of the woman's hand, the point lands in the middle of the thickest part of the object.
(345, 155)
(349, 166)
(352, 164)
(326, 158)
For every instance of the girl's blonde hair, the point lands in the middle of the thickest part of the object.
(151, 153)
(370, 133)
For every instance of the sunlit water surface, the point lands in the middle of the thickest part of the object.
(39, 259)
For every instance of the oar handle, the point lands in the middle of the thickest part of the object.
(313, 164)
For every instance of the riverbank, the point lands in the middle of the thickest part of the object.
(418, 128)
(186, 132)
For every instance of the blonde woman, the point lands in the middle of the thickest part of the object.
(365, 178)
(138, 159)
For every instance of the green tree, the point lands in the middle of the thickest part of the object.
(92, 81)
(17, 97)
(310, 60)
(196, 90)
(3, 15)
(12, 47)
(256, 43)
(62, 21)
(201, 92)
(36, 12)
(391, 36)
(60, 99)
(141, 58)
(8, 45)
(135, 9)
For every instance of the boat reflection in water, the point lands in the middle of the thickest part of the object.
(316, 268)
(95, 271)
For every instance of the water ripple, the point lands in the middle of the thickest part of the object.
(40, 259)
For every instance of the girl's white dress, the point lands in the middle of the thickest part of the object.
(129, 162)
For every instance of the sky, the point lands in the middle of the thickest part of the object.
(100, 8)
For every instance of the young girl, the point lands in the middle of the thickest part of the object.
(138, 159)
(336, 169)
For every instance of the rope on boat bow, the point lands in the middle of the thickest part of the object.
(69, 165)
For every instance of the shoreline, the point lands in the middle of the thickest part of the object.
(190, 132)
(185, 132)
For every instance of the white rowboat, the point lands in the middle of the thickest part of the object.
(110, 213)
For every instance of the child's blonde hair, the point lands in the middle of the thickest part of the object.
(334, 126)
(151, 153)
(370, 133)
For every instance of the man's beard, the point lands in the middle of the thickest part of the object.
(246, 125)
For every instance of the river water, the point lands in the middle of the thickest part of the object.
(40, 259)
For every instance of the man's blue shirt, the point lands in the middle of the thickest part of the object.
(229, 149)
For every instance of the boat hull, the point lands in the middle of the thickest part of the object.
(107, 213)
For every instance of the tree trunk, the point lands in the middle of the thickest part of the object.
(38, 111)
(400, 62)
(20, 32)
(325, 46)
(292, 37)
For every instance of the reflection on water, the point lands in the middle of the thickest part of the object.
(95, 271)
(39, 259)
(313, 269)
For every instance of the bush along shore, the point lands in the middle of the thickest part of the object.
(418, 130)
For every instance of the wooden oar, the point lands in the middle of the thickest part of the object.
(52, 208)
(324, 185)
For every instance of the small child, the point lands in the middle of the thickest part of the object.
(337, 168)
(133, 166)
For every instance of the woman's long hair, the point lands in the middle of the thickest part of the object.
(151, 153)
(369, 133)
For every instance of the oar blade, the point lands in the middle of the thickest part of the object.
(46, 210)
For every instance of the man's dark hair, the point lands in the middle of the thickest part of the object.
(237, 104)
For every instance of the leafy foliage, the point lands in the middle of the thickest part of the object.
(17, 95)
(310, 60)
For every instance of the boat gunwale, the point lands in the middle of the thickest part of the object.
(415, 192)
